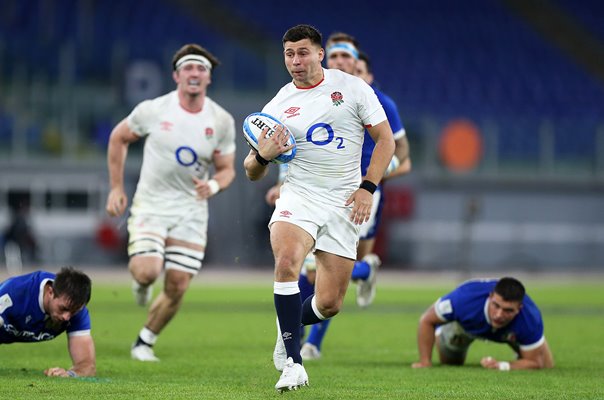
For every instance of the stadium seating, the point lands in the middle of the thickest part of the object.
(436, 58)
(587, 13)
(475, 59)
(95, 29)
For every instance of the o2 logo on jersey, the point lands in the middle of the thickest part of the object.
(187, 157)
(326, 141)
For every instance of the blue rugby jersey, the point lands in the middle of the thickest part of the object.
(395, 122)
(368, 145)
(23, 314)
(467, 305)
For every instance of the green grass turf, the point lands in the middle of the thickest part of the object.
(220, 345)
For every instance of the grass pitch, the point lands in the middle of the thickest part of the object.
(220, 346)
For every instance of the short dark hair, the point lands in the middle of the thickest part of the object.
(364, 57)
(301, 32)
(510, 289)
(73, 284)
(193, 48)
(342, 37)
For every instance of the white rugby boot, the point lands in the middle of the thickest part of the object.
(366, 288)
(293, 377)
(142, 294)
(142, 352)
(279, 354)
(310, 352)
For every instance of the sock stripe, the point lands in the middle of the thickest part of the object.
(148, 336)
(315, 309)
(286, 288)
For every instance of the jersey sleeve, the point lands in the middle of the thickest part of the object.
(445, 307)
(79, 324)
(6, 304)
(139, 119)
(370, 109)
(530, 328)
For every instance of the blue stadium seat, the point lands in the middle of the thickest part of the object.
(433, 57)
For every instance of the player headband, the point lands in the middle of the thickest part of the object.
(193, 58)
(345, 47)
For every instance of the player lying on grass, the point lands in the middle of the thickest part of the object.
(495, 310)
(40, 306)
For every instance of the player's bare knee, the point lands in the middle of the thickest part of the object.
(146, 253)
(287, 268)
(330, 312)
(145, 270)
(329, 308)
(287, 261)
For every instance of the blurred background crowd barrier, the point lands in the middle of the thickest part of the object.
(503, 102)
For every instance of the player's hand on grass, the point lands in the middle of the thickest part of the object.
(489, 362)
(117, 201)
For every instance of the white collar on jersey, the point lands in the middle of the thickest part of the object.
(41, 294)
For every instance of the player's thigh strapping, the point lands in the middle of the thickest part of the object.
(148, 234)
(330, 226)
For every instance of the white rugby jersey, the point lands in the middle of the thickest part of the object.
(178, 145)
(328, 122)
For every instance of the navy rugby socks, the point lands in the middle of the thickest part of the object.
(289, 309)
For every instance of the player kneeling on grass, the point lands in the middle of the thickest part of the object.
(40, 306)
(495, 310)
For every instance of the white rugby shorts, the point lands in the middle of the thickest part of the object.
(453, 341)
(187, 224)
(329, 225)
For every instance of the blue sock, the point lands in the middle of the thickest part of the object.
(361, 270)
(289, 311)
(317, 333)
(306, 288)
(308, 314)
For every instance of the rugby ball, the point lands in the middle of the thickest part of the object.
(253, 125)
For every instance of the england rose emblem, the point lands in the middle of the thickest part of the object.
(337, 98)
